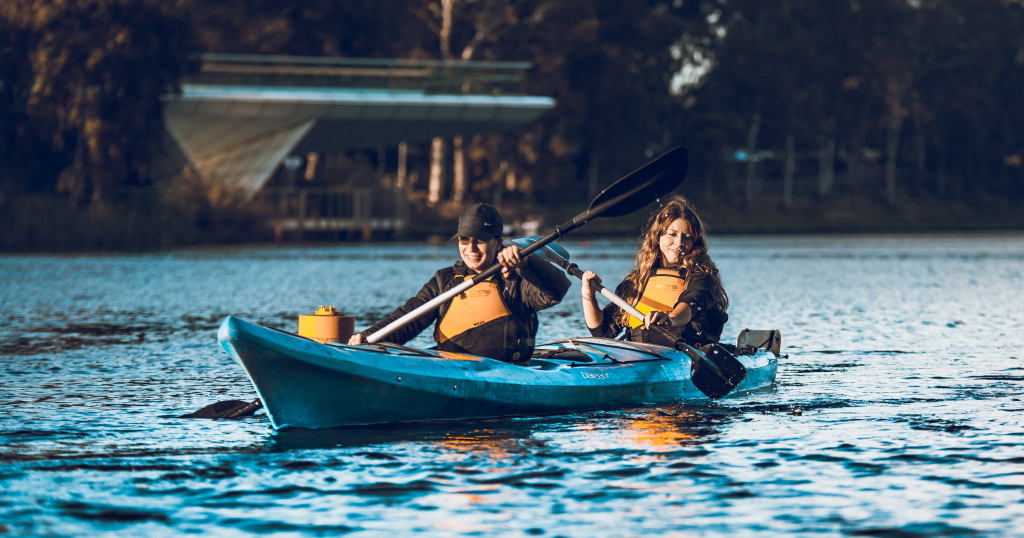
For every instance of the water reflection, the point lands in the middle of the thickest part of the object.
(668, 429)
(895, 413)
(664, 426)
(478, 436)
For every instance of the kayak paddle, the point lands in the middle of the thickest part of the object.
(654, 180)
(716, 373)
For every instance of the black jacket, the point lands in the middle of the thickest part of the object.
(534, 285)
(705, 327)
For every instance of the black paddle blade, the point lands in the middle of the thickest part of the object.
(716, 372)
(654, 180)
(227, 409)
(730, 366)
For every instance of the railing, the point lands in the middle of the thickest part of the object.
(428, 76)
(325, 209)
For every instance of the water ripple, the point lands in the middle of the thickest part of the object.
(896, 411)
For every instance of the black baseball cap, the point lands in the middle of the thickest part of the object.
(479, 221)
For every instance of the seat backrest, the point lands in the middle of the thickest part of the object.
(761, 339)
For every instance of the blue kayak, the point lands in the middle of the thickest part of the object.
(305, 384)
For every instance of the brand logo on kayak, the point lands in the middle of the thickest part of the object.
(593, 376)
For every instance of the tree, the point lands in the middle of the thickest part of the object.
(99, 68)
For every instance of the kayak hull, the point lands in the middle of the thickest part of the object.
(304, 384)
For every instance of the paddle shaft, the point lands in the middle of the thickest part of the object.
(710, 378)
(562, 260)
(575, 271)
(576, 222)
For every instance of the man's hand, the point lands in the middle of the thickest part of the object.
(356, 340)
(509, 259)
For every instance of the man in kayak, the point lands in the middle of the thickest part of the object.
(496, 318)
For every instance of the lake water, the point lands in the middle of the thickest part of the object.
(897, 412)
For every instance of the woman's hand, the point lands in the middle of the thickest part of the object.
(655, 317)
(678, 317)
(509, 259)
(356, 339)
(588, 290)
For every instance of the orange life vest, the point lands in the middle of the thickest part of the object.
(472, 308)
(661, 292)
(479, 322)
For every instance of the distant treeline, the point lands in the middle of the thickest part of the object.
(781, 102)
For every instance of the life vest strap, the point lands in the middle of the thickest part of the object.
(655, 305)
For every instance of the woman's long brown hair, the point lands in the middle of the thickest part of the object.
(696, 262)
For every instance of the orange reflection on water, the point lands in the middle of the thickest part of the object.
(495, 445)
(660, 431)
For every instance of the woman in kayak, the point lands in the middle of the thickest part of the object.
(674, 283)
(496, 318)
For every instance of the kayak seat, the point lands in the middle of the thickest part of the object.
(562, 354)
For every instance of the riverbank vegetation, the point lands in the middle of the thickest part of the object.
(800, 115)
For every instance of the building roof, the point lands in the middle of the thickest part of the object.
(240, 116)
